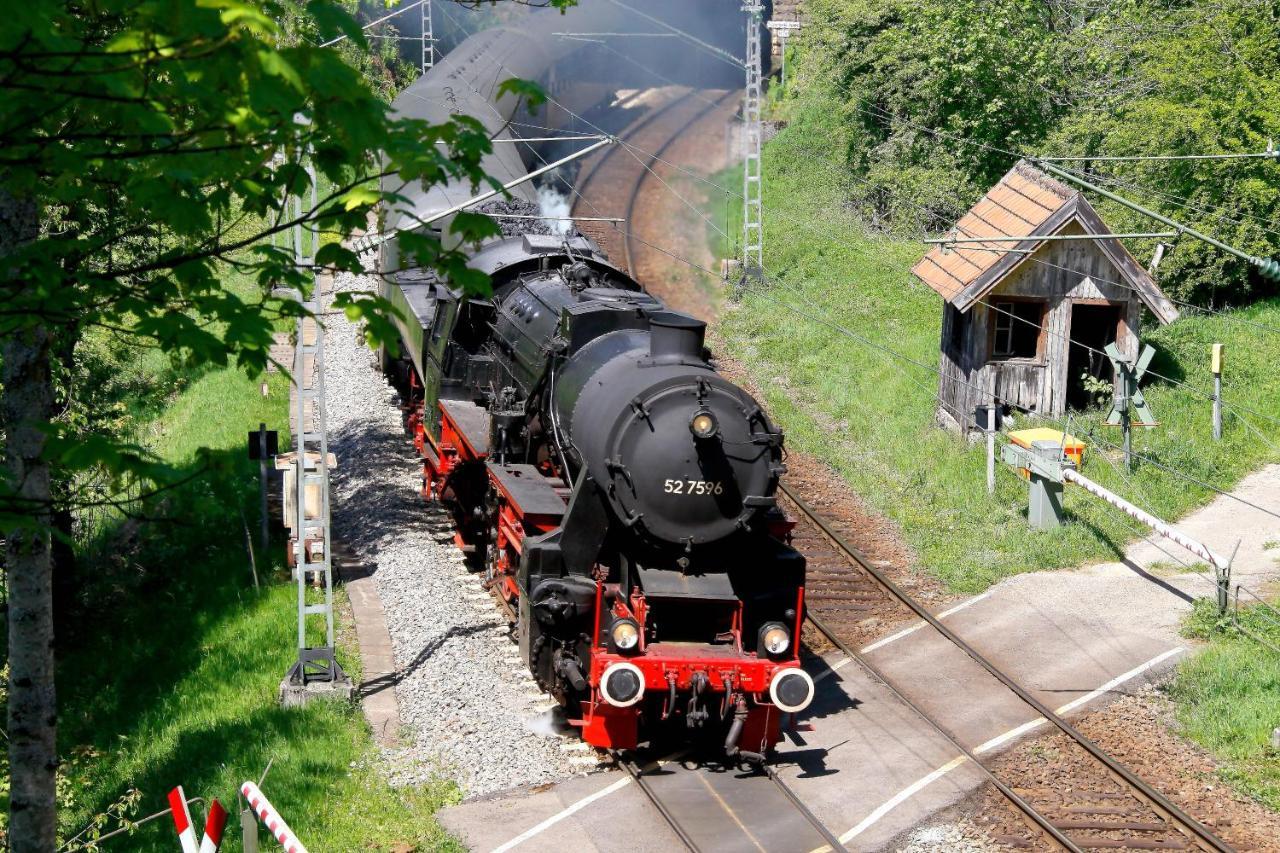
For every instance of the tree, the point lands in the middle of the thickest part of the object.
(940, 97)
(143, 147)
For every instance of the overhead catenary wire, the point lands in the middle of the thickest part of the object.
(844, 330)
(1270, 154)
(381, 20)
(1143, 457)
(728, 192)
(722, 55)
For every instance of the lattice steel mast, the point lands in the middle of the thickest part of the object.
(428, 37)
(312, 540)
(752, 208)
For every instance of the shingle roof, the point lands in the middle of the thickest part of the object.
(1025, 201)
(1021, 203)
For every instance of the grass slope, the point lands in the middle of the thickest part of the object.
(174, 682)
(1228, 699)
(870, 414)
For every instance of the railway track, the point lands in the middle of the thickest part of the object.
(625, 171)
(711, 808)
(1098, 804)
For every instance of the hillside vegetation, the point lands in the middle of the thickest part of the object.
(845, 342)
(171, 658)
(937, 99)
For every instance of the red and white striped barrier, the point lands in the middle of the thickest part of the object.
(182, 821)
(214, 823)
(271, 818)
(1204, 552)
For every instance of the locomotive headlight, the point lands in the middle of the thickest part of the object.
(791, 690)
(625, 633)
(622, 684)
(775, 638)
(703, 424)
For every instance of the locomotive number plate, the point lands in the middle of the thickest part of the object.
(693, 487)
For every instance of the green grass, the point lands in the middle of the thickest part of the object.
(1228, 699)
(870, 414)
(174, 678)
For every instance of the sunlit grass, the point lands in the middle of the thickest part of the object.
(1228, 698)
(870, 413)
(176, 682)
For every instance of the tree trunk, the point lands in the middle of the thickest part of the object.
(26, 404)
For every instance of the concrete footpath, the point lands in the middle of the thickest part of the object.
(871, 770)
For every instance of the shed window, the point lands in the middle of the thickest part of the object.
(1017, 329)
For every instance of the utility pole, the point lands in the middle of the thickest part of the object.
(752, 181)
(991, 447)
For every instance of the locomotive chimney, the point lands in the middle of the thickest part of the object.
(674, 336)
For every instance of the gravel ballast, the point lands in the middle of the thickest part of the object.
(468, 707)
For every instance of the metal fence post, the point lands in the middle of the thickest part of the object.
(991, 448)
(248, 830)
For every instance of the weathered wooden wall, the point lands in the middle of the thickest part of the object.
(1071, 272)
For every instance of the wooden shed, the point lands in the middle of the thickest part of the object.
(1023, 322)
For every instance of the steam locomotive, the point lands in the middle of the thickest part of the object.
(616, 491)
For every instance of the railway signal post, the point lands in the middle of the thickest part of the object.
(1128, 402)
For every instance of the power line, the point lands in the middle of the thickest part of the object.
(1186, 203)
(844, 330)
(850, 333)
(724, 190)
(383, 19)
(1270, 154)
(722, 55)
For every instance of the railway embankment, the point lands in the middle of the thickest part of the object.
(169, 671)
(844, 344)
(469, 710)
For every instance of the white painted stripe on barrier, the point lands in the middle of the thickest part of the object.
(909, 791)
(840, 664)
(271, 818)
(578, 806)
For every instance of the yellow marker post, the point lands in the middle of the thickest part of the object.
(1216, 366)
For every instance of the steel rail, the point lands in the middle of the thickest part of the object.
(1029, 812)
(637, 774)
(597, 166)
(654, 157)
(833, 842)
(1189, 826)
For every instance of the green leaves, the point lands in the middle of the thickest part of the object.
(332, 20)
(932, 101)
(473, 227)
(527, 89)
(376, 312)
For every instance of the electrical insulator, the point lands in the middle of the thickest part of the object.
(1270, 268)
